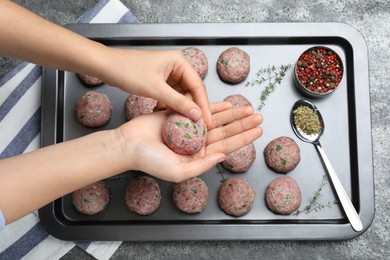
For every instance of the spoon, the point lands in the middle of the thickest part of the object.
(346, 203)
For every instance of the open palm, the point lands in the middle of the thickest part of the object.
(145, 150)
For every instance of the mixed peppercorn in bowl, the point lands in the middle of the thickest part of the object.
(318, 72)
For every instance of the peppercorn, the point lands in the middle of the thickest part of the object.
(317, 68)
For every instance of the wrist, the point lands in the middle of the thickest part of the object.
(107, 66)
(116, 150)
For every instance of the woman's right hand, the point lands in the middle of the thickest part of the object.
(166, 76)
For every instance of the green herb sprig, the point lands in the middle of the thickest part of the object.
(221, 170)
(314, 205)
(271, 76)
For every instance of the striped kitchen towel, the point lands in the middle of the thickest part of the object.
(20, 115)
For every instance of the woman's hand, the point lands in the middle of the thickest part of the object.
(145, 150)
(163, 75)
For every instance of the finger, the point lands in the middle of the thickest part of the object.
(200, 98)
(194, 84)
(218, 107)
(160, 106)
(215, 107)
(186, 94)
(234, 128)
(228, 116)
(235, 142)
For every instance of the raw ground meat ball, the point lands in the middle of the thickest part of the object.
(240, 160)
(233, 65)
(184, 136)
(283, 195)
(89, 80)
(92, 198)
(282, 154)
(198, 60)
(93, 109)
(143, 195)
(138, 106)
(236, 196)
(191, 195)
(238, 100)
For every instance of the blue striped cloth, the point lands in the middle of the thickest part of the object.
(20, 117)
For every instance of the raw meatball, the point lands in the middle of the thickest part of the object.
(191, 195)
(184, 136)
(138, 105)
(92, 198)
(282, 154)
(238, 100)
(143, 195)
(198, 60)
(240, 160)
(236, 196)
(233, 65)
(93, 109)
(89, 80)
(283, 195)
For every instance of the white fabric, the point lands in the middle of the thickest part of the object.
(2, 221)
(20, 104)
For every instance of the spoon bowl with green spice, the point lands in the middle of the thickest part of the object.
(307, 121)
(308, 124)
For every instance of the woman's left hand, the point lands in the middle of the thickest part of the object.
(145, 150)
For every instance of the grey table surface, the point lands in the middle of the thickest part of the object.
(370, 18)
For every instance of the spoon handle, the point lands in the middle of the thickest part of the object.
(346, 203)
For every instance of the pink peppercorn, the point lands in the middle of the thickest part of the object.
(319, 69)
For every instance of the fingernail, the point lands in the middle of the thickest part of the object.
(195, 114)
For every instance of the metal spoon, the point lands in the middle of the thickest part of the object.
(346, 203)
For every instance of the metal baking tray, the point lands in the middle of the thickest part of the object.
(347, 137)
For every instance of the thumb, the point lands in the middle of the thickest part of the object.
(202, 165)
(179, 102)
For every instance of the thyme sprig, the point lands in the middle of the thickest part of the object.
(314, 205)
(271, 76)
(221, 170)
